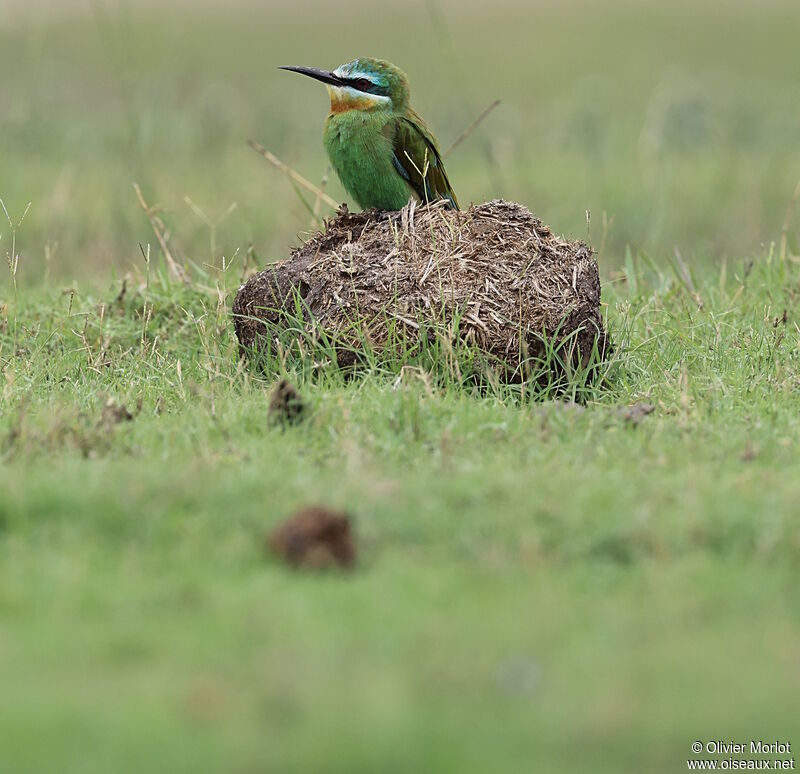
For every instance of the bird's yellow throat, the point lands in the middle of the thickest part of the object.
(343, 99)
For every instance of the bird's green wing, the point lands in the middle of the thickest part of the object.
(418, 160)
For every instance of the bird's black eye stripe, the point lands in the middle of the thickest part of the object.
(366, 85)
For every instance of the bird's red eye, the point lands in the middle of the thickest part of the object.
(363, 84)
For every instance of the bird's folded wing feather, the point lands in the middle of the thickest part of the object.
(417, 159)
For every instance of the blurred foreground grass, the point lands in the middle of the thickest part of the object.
(678, 121)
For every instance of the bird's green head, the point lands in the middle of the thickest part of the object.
(363, 84)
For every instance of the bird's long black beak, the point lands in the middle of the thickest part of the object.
(321, 75)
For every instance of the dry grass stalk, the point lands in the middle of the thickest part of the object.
(160, 231)
(471, 128)
(289, 172)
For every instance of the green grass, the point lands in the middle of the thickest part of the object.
(540, 586)
(536, 581)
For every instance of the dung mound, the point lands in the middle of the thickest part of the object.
(493, 278)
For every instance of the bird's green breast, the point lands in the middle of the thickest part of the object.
(361, 154)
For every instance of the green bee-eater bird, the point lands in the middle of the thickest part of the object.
(381, 149)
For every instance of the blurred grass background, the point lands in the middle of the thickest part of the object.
(679, 122)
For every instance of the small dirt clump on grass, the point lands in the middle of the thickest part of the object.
(113, 413)
(637, 412)
(285, 404)
(314, 538)
(493, 278)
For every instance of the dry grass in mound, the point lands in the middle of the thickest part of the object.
(493, 278)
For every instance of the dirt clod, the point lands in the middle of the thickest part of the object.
(314, 538)
(113, 413)
(286, 406)
(637, 412)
